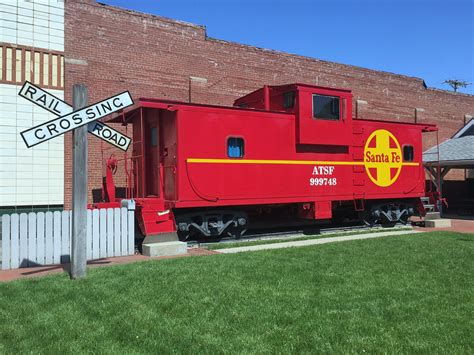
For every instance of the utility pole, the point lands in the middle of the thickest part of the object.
(79, 189)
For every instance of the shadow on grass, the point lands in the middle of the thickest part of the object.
(66, 267)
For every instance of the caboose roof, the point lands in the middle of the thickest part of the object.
(174, 105)
(127, 114)
(319, 87)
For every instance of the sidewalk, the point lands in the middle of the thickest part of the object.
(302, 243)
(457, 225)
(8, 275)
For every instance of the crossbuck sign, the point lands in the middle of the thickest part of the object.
(69, 119)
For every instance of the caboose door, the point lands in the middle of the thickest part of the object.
(153, 178)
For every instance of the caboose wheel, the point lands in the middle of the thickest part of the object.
(369, 218)
(370, 222)
(404, 219)
(183, 236)
(390, 224)
(236, 232)
(211, 225)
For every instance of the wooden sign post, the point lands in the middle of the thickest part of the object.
(79, 189)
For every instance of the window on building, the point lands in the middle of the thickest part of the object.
(235, 147)
(43, 68)
(408, 153)
(289, 99)
(326, 107)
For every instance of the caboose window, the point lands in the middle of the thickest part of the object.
(408, 154)
(289, 99)
(326, 107)
(235, 147)
(154, 136)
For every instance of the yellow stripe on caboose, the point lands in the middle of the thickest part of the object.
(281, 162)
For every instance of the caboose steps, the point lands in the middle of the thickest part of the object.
(155, 217)
(429, 207)
(432, 215)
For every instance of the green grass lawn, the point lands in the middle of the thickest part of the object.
(407, 294)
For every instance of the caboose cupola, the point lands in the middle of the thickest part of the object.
(323, 115)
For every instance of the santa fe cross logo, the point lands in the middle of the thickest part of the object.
(382, 158)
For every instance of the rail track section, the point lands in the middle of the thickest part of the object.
(294, 233)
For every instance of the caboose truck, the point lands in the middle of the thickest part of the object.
(291, 151)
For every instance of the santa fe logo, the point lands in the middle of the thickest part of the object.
(383, 158)
(69, 120)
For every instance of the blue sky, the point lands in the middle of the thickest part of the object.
(429, 39)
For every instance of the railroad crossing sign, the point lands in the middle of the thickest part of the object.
(382, 158)
(69, 120)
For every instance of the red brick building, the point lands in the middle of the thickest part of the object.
(112, 49)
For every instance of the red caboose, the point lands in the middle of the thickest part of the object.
(291, 151)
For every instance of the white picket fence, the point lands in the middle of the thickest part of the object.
(32, 239)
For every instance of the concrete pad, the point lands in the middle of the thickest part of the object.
(303, 243)
(165, 248)
(161, 237)
(438, 223)
(432, 215)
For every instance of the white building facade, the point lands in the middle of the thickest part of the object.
(31, 48)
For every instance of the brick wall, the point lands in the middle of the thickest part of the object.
(112, 49)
